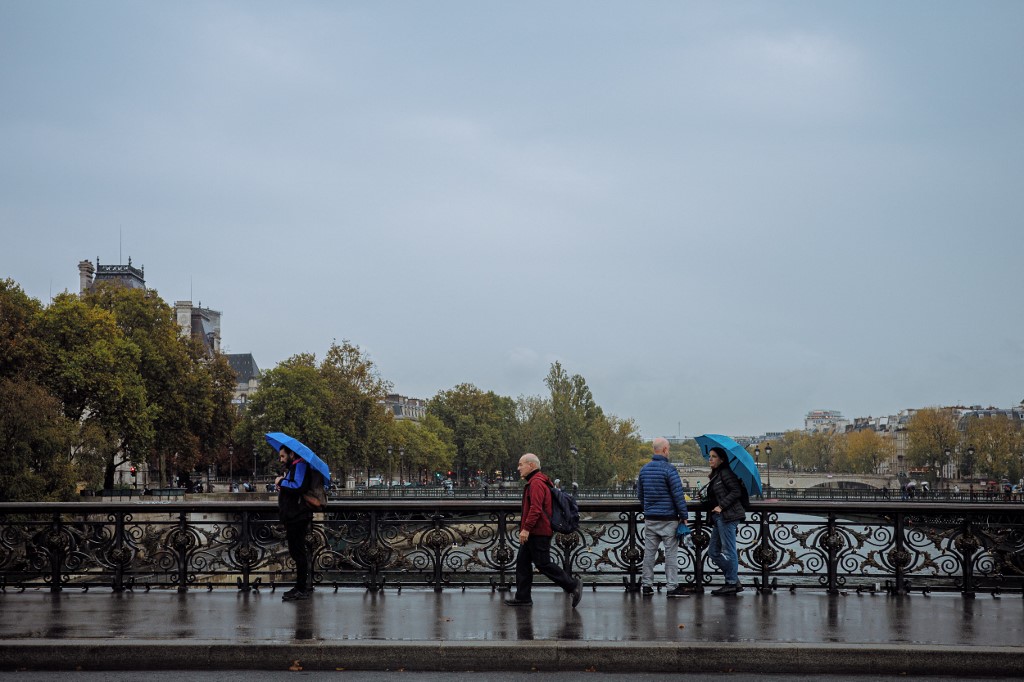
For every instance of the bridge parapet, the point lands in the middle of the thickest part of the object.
(893, 545)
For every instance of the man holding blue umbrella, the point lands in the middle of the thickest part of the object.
(295, 514)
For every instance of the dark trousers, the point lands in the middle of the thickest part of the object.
(536, 551)
(299, 550)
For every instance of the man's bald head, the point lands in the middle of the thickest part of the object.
(528, 463)
(660, 446)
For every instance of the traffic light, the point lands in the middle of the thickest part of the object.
(134, 472)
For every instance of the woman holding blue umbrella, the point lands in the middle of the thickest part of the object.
(726, 494)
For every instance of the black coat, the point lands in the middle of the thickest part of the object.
(726, 491)
(290, 506)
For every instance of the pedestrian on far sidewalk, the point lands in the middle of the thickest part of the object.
(535, 537)
(726, 497)
(661, 492)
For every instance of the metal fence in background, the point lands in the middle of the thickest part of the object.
(888, 546)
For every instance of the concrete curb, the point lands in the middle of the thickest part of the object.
(621, 657)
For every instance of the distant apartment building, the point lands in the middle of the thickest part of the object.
(965, 414)
(825, 420)
(893, 427)
(404, 407)
(767, 437)
(247, 377)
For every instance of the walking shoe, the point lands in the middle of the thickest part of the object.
(678, 591)
(647, 590)
(577, 592)
(299, 595)
(289, 594)
(518, 602)
(726, 589)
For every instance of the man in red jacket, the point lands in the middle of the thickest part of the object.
(535, 537)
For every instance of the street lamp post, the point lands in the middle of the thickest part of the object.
(231, 468)
(768, 463)
(575, 457)
(949, 458)
(391, 467)
(401, 468)
(757, 460)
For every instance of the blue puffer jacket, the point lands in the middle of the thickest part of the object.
(660, 490)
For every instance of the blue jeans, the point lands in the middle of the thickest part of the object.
(722, 549)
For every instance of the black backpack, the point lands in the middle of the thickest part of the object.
(565, 512)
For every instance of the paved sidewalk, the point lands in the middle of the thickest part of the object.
(473, 630)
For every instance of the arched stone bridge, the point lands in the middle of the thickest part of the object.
(800, 480)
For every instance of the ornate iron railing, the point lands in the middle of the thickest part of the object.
(894, 547)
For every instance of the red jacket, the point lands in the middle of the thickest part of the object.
(536, 518)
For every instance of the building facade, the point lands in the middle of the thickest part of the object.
(202, 324)
(825, 420)
(123, 275)
(247, 377)
(404, 407)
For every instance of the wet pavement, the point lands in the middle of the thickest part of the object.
(420, 629)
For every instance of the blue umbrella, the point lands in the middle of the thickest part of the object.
(740, 461)
(277, 439)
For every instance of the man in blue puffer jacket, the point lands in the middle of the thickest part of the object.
(661, 493)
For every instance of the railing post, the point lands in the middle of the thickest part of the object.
(765, 555)
(182, 549)
(832, 544)
(438, 553)
(700, 544)
(900, 557)
(968, 545)
(372, 545)
(119, 552)
(632, 554)
(245, 554)
(56, 545)
(503, 552)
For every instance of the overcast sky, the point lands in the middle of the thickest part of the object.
(722, 215)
